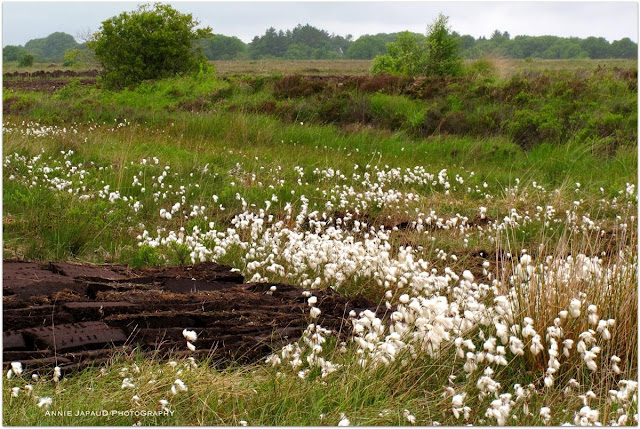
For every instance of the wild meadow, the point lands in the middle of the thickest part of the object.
(494, 217)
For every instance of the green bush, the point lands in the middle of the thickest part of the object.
(415, 55)
(26, 60)
(482, 68)
(406, 56)
(72, 57)
(149, 43)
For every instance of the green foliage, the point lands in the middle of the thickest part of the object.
(52, 47)
(149, 43)
(12, 53)
(624, 48)
(415, 55)
(482, 68)
(442, 50)
(26, 60)
(221, 47)
(406, 56)
(303, 42)
(72, 57)
(366, 48)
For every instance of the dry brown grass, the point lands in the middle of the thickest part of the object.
(286, 67)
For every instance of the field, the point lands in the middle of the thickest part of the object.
(506, 67)
(393, 251)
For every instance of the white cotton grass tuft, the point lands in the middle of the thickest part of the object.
(344, 421)
(127, 384)
(410, 417)
(191, 347)
(314, 312)
(57, 373)
(190, 335)
(545, 414)
(17, 368)
(178, 386)
(45, 402)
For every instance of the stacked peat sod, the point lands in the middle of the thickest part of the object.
(71, 315)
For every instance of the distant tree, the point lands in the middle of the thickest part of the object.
(310, 36)
(596, 47)
(26, 60)
(340, 45)
(325, 53)
(624, 48)
(221, 47)
(12, 53)
(72, 57)
(466, 42)
(150, 43)
(499, 38)
(565, 48)
(272, 44)
(443, 52)
(366, 47)
(52, 47)
(296, 51)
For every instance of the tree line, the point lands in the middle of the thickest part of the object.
(308, 42)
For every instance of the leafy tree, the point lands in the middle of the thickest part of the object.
(296, 51)
(564, 48)
(52, 47)
(310, 36)
(26, 60)
(406, 56)
(222, 47)
(303, 42)
(366, 47)
(339, 44)
(596, 47)
(272, 44)
(442, 49)
(412, 55)
(74, 57)
(624, 48)
(149, 43)
(12, 52)
(466, 42)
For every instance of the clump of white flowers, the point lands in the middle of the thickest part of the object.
(191, 337)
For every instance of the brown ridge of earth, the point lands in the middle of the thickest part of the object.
(52, 74)
(75, 315)
(43, 85)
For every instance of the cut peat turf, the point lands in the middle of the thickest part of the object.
(74, 315)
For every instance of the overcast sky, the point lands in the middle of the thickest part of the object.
(25, 20)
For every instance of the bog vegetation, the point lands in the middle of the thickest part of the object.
(495, 218)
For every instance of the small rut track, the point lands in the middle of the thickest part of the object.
(73, 315)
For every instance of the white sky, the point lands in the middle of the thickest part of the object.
(25, 20)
